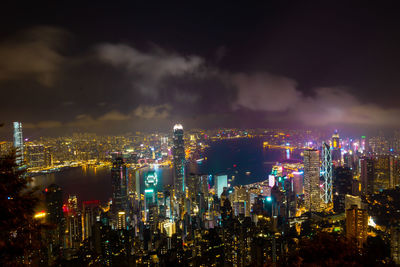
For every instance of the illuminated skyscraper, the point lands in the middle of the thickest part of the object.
(55, 217)
(367, 171)
(90, 214)
(54, 204)
(311, 180)
(119, 180)
(336, 153)
(121, 222)
(342, 186)
(221, 181)
(192, 185)
(150, 193)
(327, 173)
(363, 144)
(179, 159)
(18, 143)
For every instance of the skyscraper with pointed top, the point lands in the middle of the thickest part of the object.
(327, 173)
(336, 149)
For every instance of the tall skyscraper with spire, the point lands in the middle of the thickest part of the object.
(179, 159)
(336, 149)
(18, 143)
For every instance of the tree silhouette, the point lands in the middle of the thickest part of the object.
(325, 249)
(19, 233)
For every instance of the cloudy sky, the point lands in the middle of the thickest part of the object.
(115, 68)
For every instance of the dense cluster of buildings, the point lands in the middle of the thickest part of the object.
(343, 186)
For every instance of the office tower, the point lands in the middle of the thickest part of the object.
(90, 214)
(221, 181)
(357, 224)
(18, 143)
(137, 184)
(204, 184)
(179, 159)
(54, 203)
(342, 186)
(290, 198)
(150, 193)
(55, 217)
(348, 160)
(298, 184)
(367, 175)
(149, 200)
(311, 180)
(119, 181)
(336, 148)
(192, 185)
(327, 173)
(73, 233)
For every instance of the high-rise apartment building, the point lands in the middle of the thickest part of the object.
(382, 172)
(179, 159)
(311, 180)
(357, 224)
(367, 175)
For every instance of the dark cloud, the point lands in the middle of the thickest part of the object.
(32, 53)
(118, 86)
(148, 70)
(265, 92)
(336, 106)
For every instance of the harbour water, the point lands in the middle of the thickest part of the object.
(246, 158)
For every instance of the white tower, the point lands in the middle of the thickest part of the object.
(18, 143)
(327, 173)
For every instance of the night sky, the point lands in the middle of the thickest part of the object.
(120, 67)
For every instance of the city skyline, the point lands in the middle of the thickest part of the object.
(195, 134)
(149, 199)
(137, 67)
